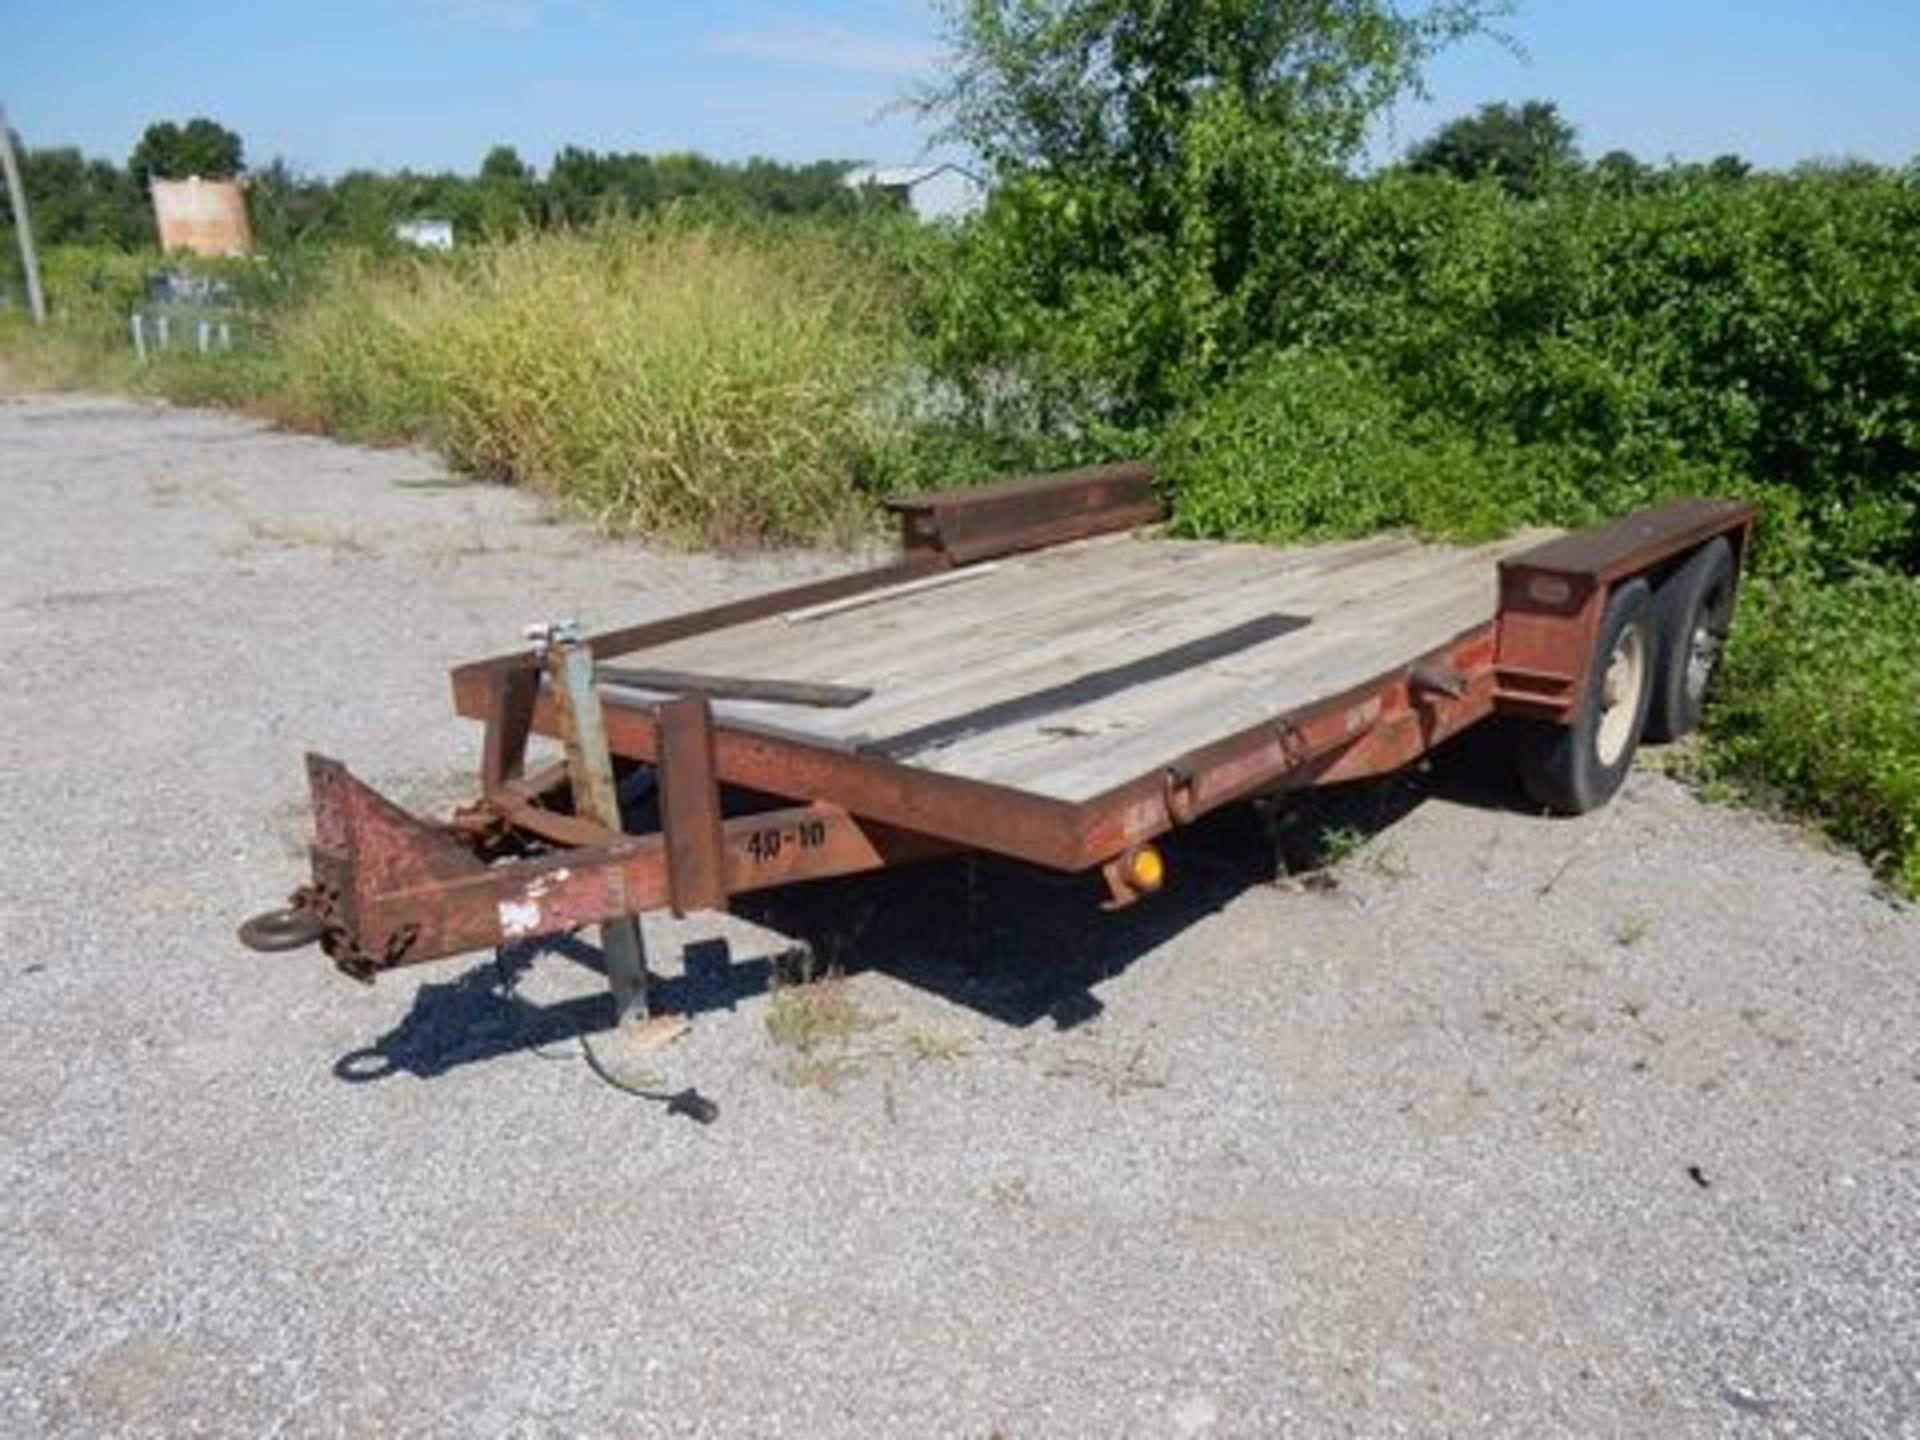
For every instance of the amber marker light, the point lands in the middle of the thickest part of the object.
(1146, 869)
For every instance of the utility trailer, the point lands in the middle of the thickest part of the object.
(1041, 674)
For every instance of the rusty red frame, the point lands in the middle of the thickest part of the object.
(393, 890)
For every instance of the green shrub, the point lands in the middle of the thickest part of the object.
(91, 290)
(1819, 706)
(1304, 445)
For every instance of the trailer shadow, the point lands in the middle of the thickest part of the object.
(1024, 947)
(1018, 946)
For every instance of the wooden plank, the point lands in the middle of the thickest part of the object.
(1365, 635)
(1090, 687)
(1026, 599)
(926, 615)
(891, 592)
(1370, 638)
(1306, 591)
(730, 687)
(891, 659)
(972, 640)
(1002, 658)
(1043, 619)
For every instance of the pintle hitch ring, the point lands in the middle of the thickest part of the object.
(275, 931)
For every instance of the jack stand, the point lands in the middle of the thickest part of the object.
(569, 665)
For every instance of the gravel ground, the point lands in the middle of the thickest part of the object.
(1513, 1127)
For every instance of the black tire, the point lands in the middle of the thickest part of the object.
(1692, 610)
(1571, 769)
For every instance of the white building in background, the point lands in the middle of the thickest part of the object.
(934, 191)
(425, 234)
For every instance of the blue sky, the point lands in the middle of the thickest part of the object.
(432, 83)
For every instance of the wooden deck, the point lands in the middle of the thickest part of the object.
(1072, 670)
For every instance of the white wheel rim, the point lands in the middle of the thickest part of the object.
(1703, 653)
(1621, 686)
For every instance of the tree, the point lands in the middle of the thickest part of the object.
(287, 208)
(201, 147)
(1158, 163)
(1527, 148)
(77, 201)
(1110, 86)
(1623, 173)
(504, 198)
(504, 167)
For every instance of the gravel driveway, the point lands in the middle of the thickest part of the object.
(1512, 1126)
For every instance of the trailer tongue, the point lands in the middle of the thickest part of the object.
(1037, 677)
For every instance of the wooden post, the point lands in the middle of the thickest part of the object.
(22, 222)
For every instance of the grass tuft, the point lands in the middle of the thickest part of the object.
(817, 1015)
(932, 1041)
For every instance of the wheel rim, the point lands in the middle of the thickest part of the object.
(1703, 650)
(1621, 689)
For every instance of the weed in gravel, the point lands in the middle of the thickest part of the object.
(814, 1013)
(815, 1021)
(816, 1071)
(1116, 1072)
(1630, 929)
(1340, 843)
(1390, 862)
(1013, 1193)
(300, 535)
(933, 1041)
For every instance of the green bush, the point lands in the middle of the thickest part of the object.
(1696, 334)
(91, 290)
(1310, 444)
(1819, 706)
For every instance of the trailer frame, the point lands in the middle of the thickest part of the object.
(526, 858)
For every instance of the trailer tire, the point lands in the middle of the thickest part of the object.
(1692, 609)
(1573, 768)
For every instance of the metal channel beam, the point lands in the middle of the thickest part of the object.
(978, 522)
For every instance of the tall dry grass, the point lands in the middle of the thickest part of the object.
(695, 383)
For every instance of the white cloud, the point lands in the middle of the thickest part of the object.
(837, 47)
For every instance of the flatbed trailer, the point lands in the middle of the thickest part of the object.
(1042, 674)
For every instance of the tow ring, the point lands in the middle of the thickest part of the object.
(273, 931)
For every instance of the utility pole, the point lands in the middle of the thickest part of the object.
(22, 225)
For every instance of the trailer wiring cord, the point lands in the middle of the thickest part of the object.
(688, 1102)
